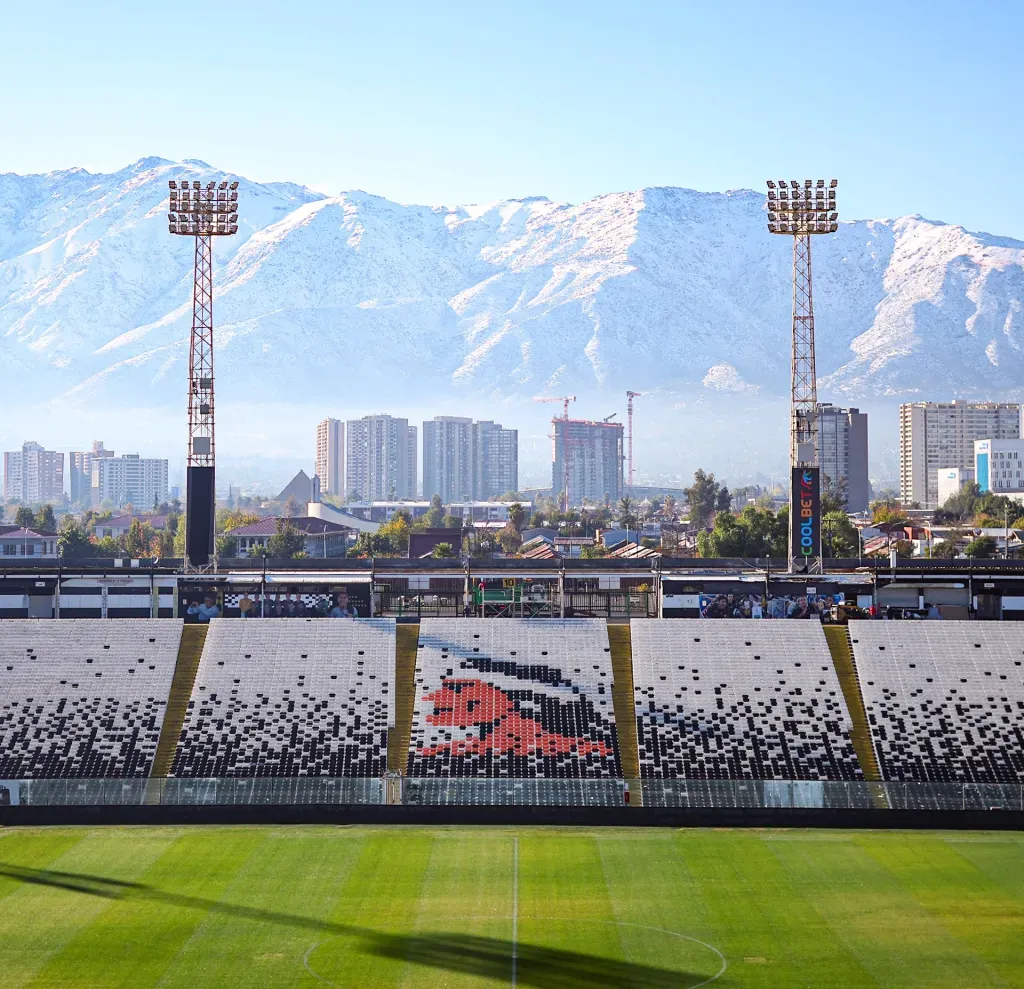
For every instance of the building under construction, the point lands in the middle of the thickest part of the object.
(587, 461)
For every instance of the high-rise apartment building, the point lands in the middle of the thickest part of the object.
(130, 478)
(843, 453)
(330, 456)
(495, 460)
(448, 458)
(380, 458)
(33, 475)
(465, 460)
(593, 451)
(80, 471)
(939, 435)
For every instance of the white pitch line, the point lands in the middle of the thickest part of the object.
(515, 905)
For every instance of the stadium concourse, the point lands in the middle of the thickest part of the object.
(473, 711)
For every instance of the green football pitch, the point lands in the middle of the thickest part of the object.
(550, 908)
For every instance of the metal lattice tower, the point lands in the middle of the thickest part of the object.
(801, 210)
(630, 395)
(202, 212)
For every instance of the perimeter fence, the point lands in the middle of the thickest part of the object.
(413, 791)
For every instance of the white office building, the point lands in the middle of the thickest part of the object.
(951, 481)
(330, 456)
(33, 475)
(129, 479)
(998, 465)
(380, 458)
(939, 435)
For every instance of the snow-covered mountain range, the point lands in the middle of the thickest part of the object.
(352, 303)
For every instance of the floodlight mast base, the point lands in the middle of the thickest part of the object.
(201, 482)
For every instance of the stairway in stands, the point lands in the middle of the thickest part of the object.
(193, 638)
(841, 648)
(621, 642)
(407, 639)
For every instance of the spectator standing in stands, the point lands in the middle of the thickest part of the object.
(245, 604)
(256, 611)
(208, 609)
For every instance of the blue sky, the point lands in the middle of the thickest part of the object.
(915, 107)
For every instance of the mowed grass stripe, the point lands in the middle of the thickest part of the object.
(771, 936)
(1000, 857)
(463, 916)
(32, 850)
(376, 909)
(561, 876)
(651, 887)
(872, 913)
(277, 905)
(133, 940)
(39, 921)
(974, 910)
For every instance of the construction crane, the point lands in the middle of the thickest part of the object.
(565, 400)
(630, 395)
(609, 418)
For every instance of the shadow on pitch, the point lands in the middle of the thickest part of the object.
(491, 958)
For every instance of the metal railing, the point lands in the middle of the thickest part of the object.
(414, 791)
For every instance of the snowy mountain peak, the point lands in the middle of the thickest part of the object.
(677, 293)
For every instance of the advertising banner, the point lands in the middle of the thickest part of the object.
(805, 524)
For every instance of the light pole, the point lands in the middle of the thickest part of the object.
(801, 210)
(201, 212)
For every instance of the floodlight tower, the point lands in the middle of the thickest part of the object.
(202, 212)
(630, 395)
(799, 210)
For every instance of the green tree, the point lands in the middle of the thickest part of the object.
(833, 495)
(595, 552)
(703, 497)
(516, 516)
(292, 509)
(108, 546)
(981, 548)
(443, 551)
(755, 532)
(627, 513)
(286, 541)
(509, 540)
(434, 516)
(72, 541)
(44, 519)
(839, 535)
(24, 517)
(395, 534)
(225, 546)
(945, 550)
(165, 538)
(137, 539)
(889, 514)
